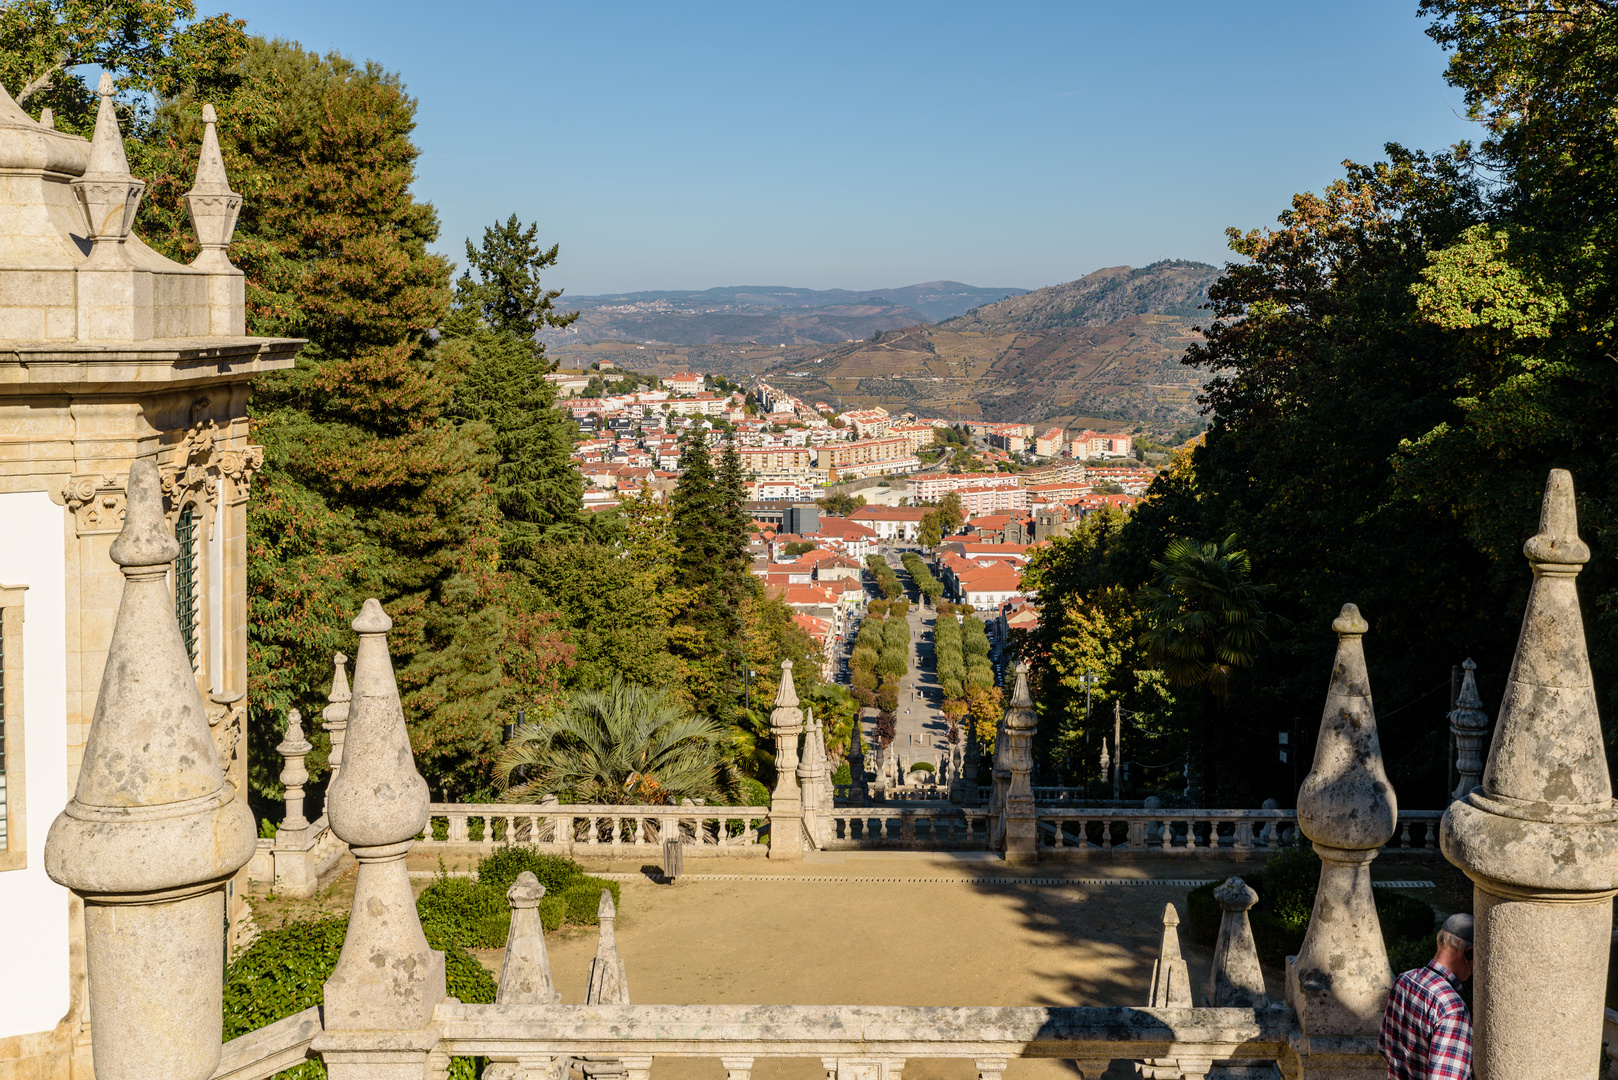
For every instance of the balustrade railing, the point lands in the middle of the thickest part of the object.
(923, 828)
(1083, 830)
(569, 829)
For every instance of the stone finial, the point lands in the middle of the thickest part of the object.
(1338, 983)
(1537, 837)
(1468, 723)
(379, 798)
(293, 775)
(1021, 832)
(786, 802)
(107, 193)
(1346, 800)
(335, 714)
(213, 207)
(1236, 980)
(153, 829)
(609, 982)
(47, 118)
(525, 973)
(1171, 978)
(386, 979)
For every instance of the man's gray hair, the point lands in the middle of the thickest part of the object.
(1456, 932)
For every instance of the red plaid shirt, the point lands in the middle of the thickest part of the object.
(1427, 1032)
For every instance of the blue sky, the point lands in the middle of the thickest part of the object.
(860, 146)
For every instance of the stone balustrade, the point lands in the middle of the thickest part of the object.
(151, 874)
(947, 828)
(1073, 830)
(597, 831)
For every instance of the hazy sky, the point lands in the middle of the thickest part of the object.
(683, 146)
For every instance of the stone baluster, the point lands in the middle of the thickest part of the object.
(335, 714)
(1468, 723)
(153, 830)
(1537, 837)
(1243, 838)
(1022, 834)
(525, 973)
(786, 802)
(293, 776)
(1270, 835)
(1338, 983)
(1236, 980)
(386, 978)
(609, 981)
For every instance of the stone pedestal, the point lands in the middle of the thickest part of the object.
(387, 980)
(1539, 837)
(786, 802)
(1338, 983)
(1022, 831)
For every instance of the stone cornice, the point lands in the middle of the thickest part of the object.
(105, 367)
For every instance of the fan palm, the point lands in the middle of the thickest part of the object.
(623, 744)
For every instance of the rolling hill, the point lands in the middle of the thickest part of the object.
(1106, 345)
(772, 315)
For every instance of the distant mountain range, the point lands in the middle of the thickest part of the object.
(1106, 346)
(772, 315)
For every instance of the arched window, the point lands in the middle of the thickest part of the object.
(185, 581)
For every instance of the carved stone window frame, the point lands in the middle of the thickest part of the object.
(15, 854)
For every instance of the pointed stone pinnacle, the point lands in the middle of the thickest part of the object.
(107, 159)
(605, 910)
(208, 115)
(787, 695)
(1171, 917)
(146, 541)
(210, 176)
(1020, 697)
(1557, 547)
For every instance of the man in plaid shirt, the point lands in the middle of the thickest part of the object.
(1426, 1031)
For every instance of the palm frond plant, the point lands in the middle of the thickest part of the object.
(625, 744)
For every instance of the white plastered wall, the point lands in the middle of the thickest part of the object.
(34, 996)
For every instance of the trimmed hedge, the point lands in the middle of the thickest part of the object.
(476, 914)
(1286, 898)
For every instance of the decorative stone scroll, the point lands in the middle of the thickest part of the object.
(97, 502)
(198, 463)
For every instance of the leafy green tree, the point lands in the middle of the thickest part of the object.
(625, 743)
(501, 283)
(840, 503)
(799, 547)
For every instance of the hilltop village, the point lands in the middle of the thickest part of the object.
(830, 490)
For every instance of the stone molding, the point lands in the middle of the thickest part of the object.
(198, 464)
(97, 502)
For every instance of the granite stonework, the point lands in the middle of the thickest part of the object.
(110, 354)
(1021, 828)
(1236, 979)
(1338, 983)
(153, 831)
(1539, 837)
(786, 801)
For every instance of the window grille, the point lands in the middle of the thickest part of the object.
(185, 581)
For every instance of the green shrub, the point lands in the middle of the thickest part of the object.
(553, 911)
(500, 868)
(843, 775)
(750, 792)
(457, 908)
(285, 972)
(266, 829)
(584, 900)
(922, 766)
